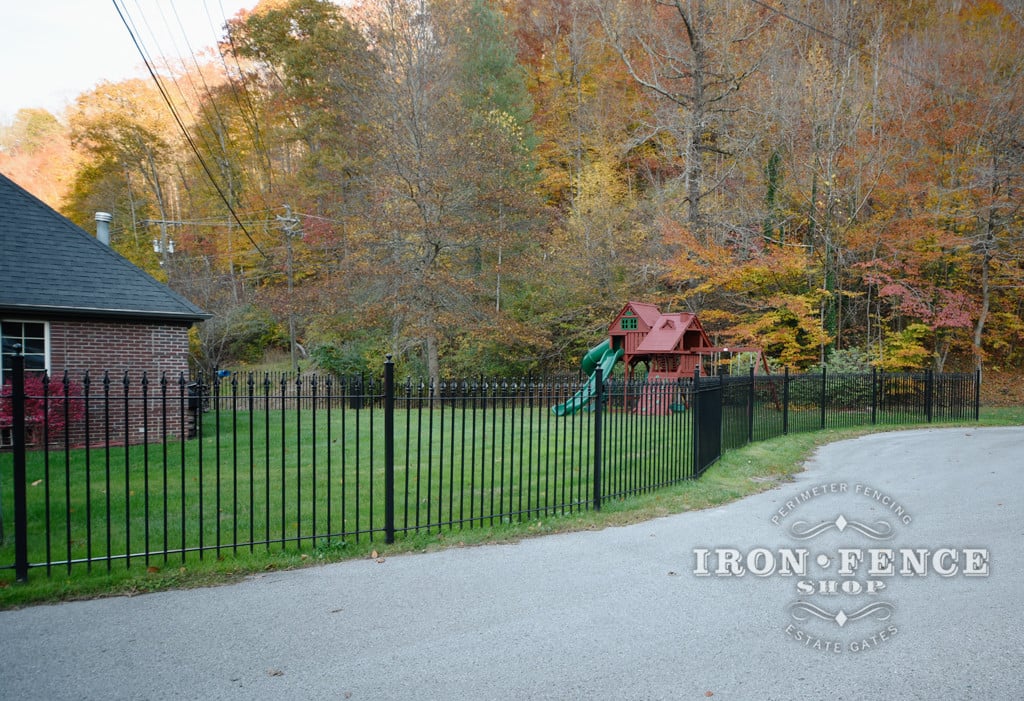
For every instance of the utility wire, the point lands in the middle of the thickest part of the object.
(188, 73)
(220, 135)
(254, 125)
(317, 216)
(180, 67)
(853, 47)
(184, 130)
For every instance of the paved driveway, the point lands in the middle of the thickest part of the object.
(614, 614)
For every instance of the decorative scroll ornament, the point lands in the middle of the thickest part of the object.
(801, 530)
(802, 611)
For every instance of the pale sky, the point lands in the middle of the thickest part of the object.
(53, 50)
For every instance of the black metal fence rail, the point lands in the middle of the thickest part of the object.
(758, 407)
(246, 462)
(287, 390)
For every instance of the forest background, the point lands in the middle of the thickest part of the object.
(478, 186)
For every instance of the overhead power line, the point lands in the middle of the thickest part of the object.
(181, 125)
(853, 47)
(241, 95)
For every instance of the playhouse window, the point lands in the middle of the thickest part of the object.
(628, 323)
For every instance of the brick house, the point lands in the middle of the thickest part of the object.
(76, 305)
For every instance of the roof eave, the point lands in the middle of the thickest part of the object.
(100, 313)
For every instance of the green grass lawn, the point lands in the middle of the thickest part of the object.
(254, 487)
(271, 481)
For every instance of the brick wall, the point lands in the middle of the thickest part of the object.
(123, 351)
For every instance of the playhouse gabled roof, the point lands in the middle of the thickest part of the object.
(667, 332)
(646, 312)
(50, 267)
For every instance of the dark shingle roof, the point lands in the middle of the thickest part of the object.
(51, 267)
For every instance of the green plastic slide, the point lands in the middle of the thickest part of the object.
(600, 356)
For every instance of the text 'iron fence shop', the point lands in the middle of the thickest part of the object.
(149, 472)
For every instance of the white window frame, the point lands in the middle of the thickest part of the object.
(46, 342)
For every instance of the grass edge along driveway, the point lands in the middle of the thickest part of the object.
(739, 473)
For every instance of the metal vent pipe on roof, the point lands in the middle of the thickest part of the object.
(103, 227)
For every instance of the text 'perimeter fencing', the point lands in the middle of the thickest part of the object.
(127, 472)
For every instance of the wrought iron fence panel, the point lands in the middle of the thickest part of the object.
(152, 470)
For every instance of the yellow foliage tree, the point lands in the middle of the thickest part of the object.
(906, 350)
(790, 331)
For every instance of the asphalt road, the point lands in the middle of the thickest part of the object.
(615, 614)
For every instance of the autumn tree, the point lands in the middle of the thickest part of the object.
(958, 248)
(309, 71)
(593, 174)
(996, 158)
(450, 186)
(297, 109)
(35, 151)
(694, 62)
(130, 147)
(693, 58)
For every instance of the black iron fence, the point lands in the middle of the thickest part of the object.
(173, 469)
(758, 407)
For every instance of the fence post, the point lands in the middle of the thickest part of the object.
(695, 431)
(874, 395)
(824, 395)
(929, 394)
(20, 493)
(598, 411)
(785, 402)
(977, 393)
(750, 407)
(389, 450)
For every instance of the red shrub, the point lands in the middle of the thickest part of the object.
(45, 403)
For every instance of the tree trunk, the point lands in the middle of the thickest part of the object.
(979, 327)
(433, 361)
